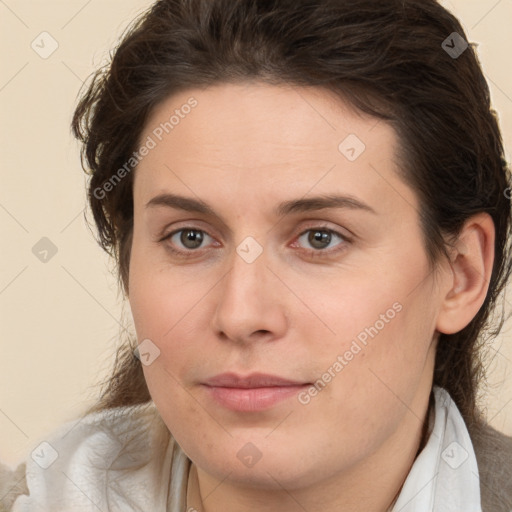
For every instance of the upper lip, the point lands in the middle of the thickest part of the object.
(254, 380)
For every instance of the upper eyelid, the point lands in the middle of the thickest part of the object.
(318, 226)
(296, 219)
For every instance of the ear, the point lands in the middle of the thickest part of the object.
(471, 266)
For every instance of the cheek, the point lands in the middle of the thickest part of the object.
(160, 297)
(381, 327)
(168, 309)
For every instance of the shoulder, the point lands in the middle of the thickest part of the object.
(493, 451)
(106, 457)
(12, 484)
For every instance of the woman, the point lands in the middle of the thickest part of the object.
(308, 205)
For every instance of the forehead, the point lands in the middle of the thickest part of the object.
(289, 121)
(269, 139)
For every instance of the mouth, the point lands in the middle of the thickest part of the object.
(252, 393)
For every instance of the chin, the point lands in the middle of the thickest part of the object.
(271, 467)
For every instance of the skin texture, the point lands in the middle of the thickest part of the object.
(244, 149)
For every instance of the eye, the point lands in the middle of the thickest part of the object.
(186, 241)
(321, 239)
(188, 238)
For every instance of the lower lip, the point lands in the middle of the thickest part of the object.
(253, 399)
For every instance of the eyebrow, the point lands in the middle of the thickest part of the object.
(321, 202)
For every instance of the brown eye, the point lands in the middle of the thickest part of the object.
(321, 239)
(191, 238)
(186, 240)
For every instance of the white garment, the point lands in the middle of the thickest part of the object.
(107, 462)
(121, 461)
(444, 476)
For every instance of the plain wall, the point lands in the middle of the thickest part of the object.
(59, 318)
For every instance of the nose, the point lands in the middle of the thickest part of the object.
(251, 303)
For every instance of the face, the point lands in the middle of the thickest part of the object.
(304, 261)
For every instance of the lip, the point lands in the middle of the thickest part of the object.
(254, 380)
(252, 393)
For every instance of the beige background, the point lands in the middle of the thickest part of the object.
(59, 319)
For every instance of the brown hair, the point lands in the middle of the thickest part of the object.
(387, 58)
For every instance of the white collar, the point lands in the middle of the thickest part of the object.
(444, 476)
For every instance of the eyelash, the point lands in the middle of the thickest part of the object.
(313, 253)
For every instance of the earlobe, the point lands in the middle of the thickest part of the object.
(471, 268)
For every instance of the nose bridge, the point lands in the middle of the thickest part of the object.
(246, 303)
(246, 279)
